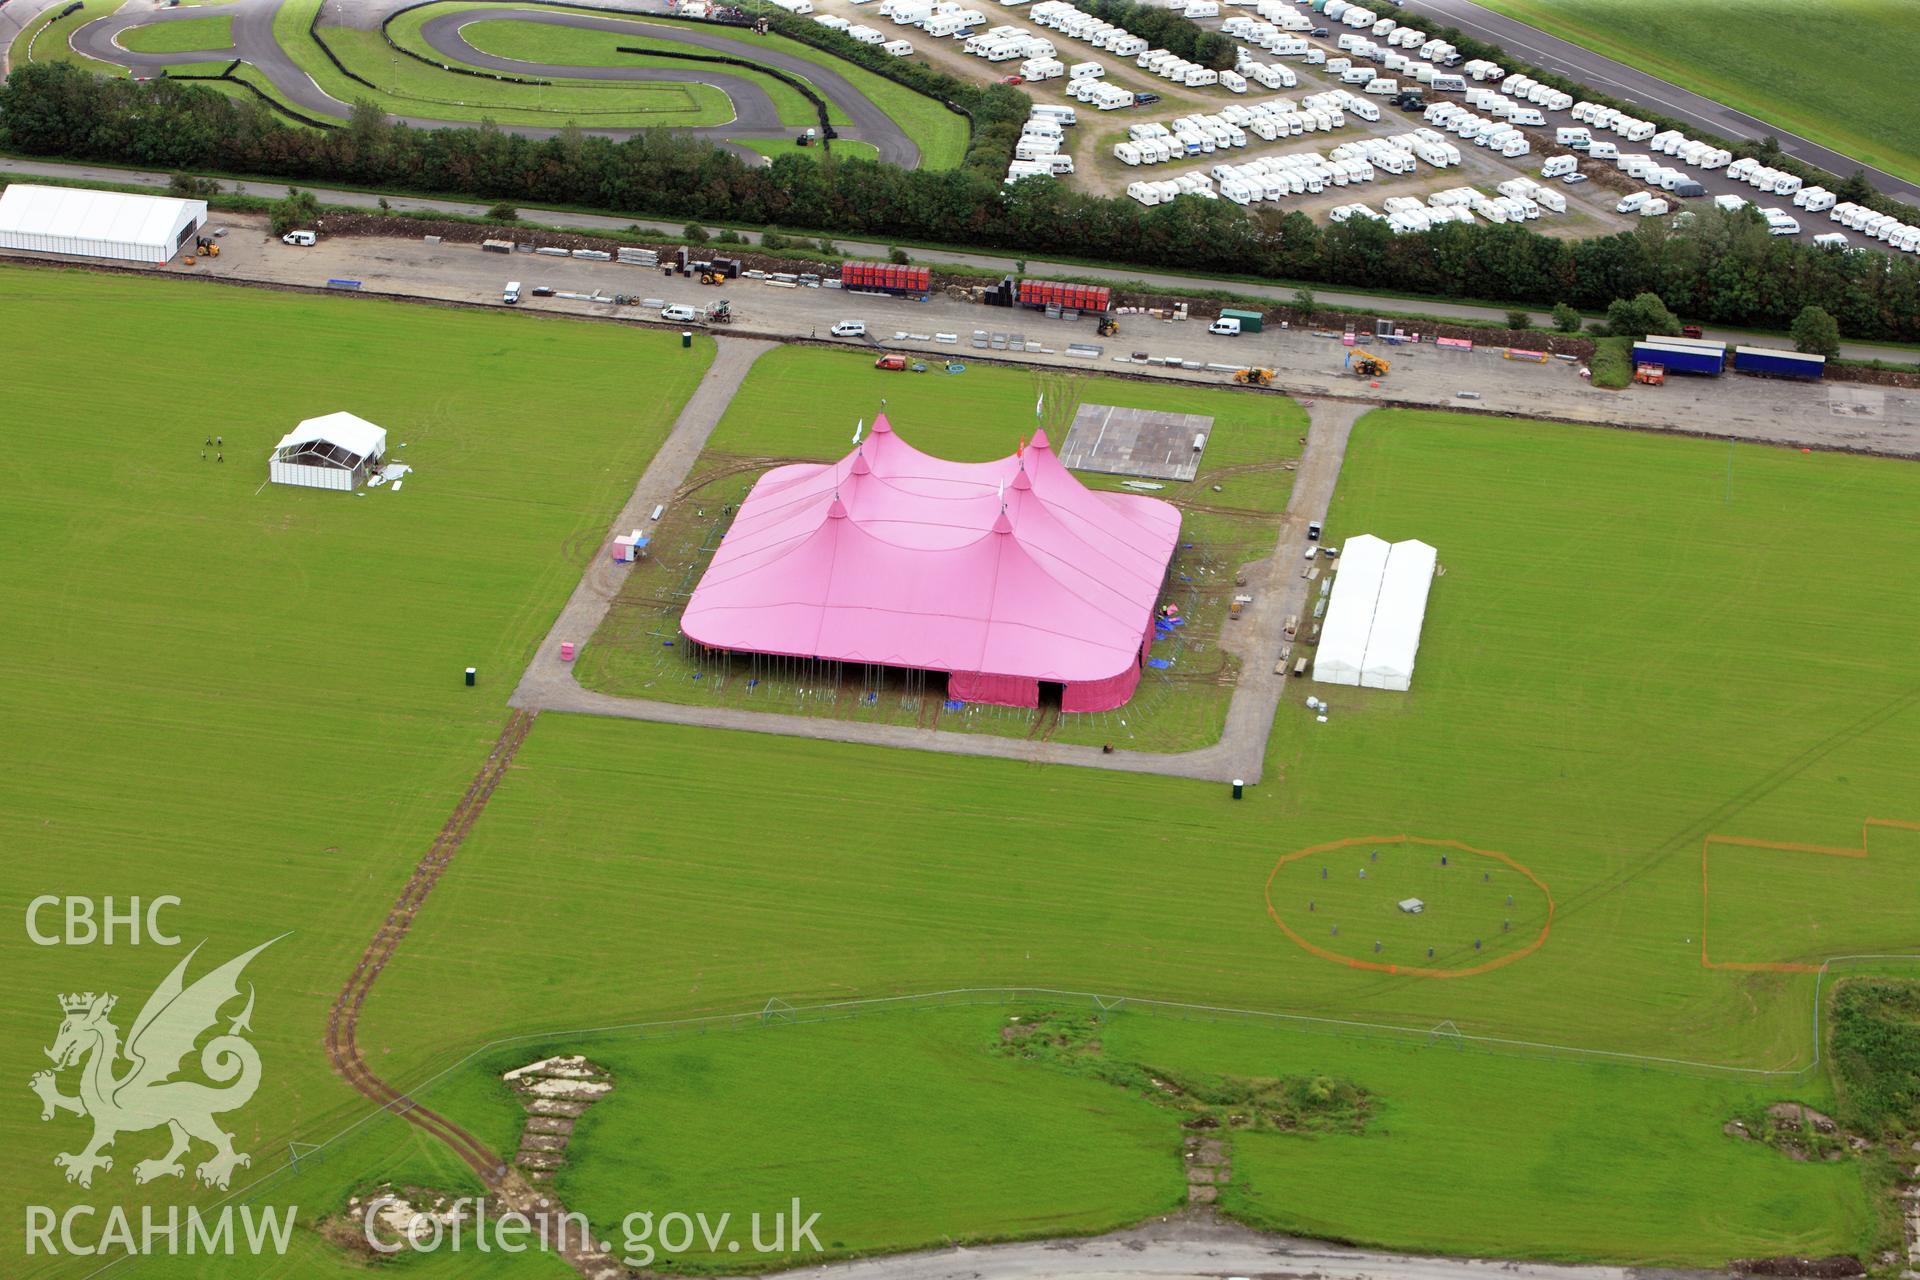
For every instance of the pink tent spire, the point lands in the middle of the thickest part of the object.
(1039, 440)
(887, 564)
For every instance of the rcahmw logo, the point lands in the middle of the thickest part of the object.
(128, 1086)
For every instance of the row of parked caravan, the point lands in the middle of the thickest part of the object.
(1196, 135)
(1883, 227)
(1276, 177)
(1499, 136)
(1076, 24)
(1351, 15)
(1266, 35)
(1038, 152)
(1187, 184)
(1613, 119)
(938, 18)
(1762, 179)
(1009, 44)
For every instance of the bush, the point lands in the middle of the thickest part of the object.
(1815, 332)
(503, 212)
(1303, 302)
(898, 255)
(729, 236)
(1519, 320)
(1565, 318)
(1639, 316)
(694, 233)
(1612, 363)
(185, 184)
(298, 210)
(772, 240)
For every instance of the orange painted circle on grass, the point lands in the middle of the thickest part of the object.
(1414, 971)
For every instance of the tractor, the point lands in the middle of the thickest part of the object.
(720, 312)
(206, 248)
(1367, 365)
(712, 277)
(1254, 377)
(1108, 326)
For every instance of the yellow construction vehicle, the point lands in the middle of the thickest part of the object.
(207, 248)
(1254, 377)
(712, 277)
(1108, 326)
(1367, 365)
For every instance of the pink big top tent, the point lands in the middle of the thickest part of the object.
(1003, 574)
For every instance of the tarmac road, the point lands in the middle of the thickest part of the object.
(1193, 1248)
(1550, 53)
(755, 114)
(982, 262)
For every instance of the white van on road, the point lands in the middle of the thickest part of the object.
(680, 313)
(850, 329)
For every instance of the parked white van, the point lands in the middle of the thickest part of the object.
(679, 313)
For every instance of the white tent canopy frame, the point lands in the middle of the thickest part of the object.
(336, 451)
(1356, 590)
(1377, 608)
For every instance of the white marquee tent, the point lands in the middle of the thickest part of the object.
(97, 224)
(1343, 639)
(334, 452)
(1398, 617)
(1374, 616)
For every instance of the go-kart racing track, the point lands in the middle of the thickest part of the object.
(755, 115)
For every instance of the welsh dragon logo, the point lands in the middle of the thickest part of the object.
(144, 1095)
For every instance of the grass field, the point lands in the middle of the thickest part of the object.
(250, 697)
(1829, 72)
(1606, 575)
(975, 416)
(185, 36)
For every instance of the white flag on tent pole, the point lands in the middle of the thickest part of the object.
(862, 426)
(1039, 404)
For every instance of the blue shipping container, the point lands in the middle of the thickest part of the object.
(1679, 359)
(1779, 364)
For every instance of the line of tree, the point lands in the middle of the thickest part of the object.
(1721, 268)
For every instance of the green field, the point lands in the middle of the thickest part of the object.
(250, 697)
(188, 35)
(1616, 578)
(1830, 72)
(974, 416)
